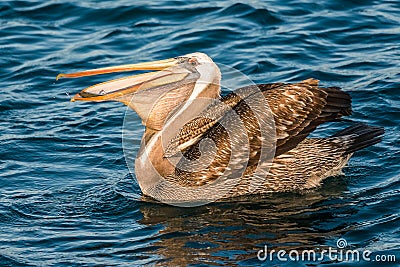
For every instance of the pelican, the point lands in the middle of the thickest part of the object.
(199, 146)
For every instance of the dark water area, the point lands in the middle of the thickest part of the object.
(66, 195)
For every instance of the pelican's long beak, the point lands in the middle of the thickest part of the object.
(169, 71)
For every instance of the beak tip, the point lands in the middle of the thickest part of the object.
(75, 97)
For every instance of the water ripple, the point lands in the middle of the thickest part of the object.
(66, 195)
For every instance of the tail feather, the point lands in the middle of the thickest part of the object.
(360, 136)
(338, 103)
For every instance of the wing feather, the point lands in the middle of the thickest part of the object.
(296, 108)
(299, 108)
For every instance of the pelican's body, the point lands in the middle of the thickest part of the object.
(258, 133)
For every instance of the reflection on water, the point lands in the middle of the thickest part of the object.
(236, 230)
(66, 195)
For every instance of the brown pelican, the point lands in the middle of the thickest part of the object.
(257, 135)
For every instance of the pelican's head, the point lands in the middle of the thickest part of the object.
(155, 95)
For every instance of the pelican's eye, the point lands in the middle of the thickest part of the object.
(193, 61)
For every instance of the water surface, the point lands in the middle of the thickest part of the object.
(66, 195)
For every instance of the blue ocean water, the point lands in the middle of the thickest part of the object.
(66, 195)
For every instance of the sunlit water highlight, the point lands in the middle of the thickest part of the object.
(66, 195)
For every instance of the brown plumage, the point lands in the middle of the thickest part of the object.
(225, 136)
(299, 163)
